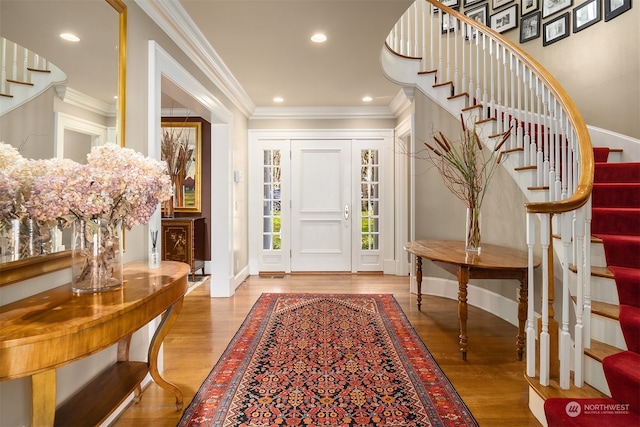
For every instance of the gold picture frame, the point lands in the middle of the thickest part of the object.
(181, 147)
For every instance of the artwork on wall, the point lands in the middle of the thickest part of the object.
(530, 27)
(556, 29)
(181, 148)
(448, 23)
(505, 20)
(587, 14)
(495, 4)
(479, 13)
(467, 3)
(613, 8)
(549, 7)
(528, 6)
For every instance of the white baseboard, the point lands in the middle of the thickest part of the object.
(484, 299)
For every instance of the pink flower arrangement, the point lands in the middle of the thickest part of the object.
(117, 184)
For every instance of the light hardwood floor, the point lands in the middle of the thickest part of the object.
(491, 381)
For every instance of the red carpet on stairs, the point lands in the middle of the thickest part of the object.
(616, 221)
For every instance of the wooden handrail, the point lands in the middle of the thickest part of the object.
(585, 183)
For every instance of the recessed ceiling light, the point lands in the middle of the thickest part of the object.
(69, 37)
(318, 38)
(278, 99)
(367, 99)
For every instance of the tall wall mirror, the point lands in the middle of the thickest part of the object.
(83, 108)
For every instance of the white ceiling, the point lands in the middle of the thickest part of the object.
(264, 43)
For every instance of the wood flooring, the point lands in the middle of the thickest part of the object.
(491, 381)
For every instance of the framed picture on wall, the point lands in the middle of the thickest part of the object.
(556, 29)
(549, 7)
(181, 147)
(478, 13)
(467, 3)
(495, 4)
(613, 8)
(587, 14)
(505, 20)
(448, 23)
(528, 6)
(530, 27)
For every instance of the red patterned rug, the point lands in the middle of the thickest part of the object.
(326, 360)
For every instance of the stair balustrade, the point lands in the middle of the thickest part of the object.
(24, 75)
(501, 84)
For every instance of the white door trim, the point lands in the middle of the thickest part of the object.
(260, 138)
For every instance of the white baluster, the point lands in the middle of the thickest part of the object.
(478, 91)
(492, 49)
(3, 71)
(485, 72)
(463, 83)
(565, 337)
(530, 329)
(15, 62)
(578, 331)
(26, 75)
(456, 84)
(544, 333)
(586, 330)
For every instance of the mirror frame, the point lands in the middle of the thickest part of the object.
(28, 268)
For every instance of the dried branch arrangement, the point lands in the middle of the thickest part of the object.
(466, 166)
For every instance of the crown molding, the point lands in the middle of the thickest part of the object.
(323, 113)
(171, 17)
(82, 100)
(402, 100)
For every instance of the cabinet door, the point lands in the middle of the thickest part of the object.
(177, 241)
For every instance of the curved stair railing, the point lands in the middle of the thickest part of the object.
(502, 85)
(24, 75)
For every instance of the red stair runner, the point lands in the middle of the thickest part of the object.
(615, 220)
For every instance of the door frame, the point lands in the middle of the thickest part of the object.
(260, 139)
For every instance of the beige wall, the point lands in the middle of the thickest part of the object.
(440, 215)
(600, 69)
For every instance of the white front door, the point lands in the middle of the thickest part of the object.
(321, 205)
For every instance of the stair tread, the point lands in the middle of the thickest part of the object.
(596, 271)
(554, 390)
(605, 309)
(599, 350)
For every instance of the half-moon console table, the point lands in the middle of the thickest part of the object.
(48, 330)
(493, 262)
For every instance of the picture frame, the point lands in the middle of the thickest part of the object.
(480, 14)
(528, 6)
(447, 22)
(451, 3)
(556, 29)
(496, 4)
(505, 20)
(587, 14)
(614, 8)
(530, 27)
(186, 171)
(467, 3)
(550, 7)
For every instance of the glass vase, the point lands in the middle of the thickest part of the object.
(96, 256)
(472, 229)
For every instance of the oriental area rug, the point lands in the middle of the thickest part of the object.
(326, 360)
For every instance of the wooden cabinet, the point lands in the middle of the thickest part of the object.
(183, 239)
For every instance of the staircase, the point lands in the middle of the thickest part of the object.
(25, 75)
(497, 86)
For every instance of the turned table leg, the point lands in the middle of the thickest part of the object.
(168, 319)
(463, 279)
(522, 315)
(419, 280)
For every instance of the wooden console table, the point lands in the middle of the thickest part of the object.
(183, 240)
(48, 330)
(494, 262)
